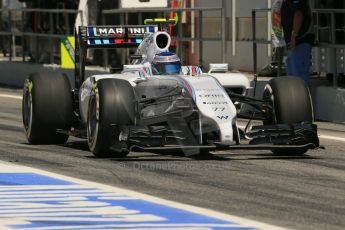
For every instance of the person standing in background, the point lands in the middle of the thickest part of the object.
(296, 20)
(278, 39)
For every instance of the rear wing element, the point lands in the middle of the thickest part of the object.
(107, 37)
(114, 36)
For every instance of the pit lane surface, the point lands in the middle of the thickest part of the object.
(293, 192)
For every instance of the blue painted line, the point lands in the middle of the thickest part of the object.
(29, 179)
(34, 201)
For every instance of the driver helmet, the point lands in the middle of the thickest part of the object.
(166, 63)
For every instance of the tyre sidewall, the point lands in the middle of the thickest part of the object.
(291, 100)
(51, 105)
(114, 103)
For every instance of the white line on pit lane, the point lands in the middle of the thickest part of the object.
(11, 96)
(333, 138)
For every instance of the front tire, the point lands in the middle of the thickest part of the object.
(290, 99)
(110, 111)
(47, 106)
(291, 103)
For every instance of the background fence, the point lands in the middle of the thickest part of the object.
(34, 34)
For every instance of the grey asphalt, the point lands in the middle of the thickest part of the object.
(305, 192)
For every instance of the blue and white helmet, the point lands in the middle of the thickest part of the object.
(166, 63)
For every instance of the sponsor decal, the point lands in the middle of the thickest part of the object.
(223, 117)
(117, 35)
(67, 52)
(211, 95)
(120, 31)
(215, 109)
(117, 32)
(214, 103)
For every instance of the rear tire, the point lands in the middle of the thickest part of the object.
(47, 106)
(291, 103)
(111, 109)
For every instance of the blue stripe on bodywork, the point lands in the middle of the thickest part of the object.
(90, 31)
(151, 29)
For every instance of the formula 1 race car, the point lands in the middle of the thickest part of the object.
(156, 104)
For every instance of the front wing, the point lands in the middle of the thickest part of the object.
(289, 137)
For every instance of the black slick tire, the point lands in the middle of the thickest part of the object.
(46, 107)
(111, 108)
(290, 99)
(291, 103)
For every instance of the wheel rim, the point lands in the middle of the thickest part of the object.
(27, 110)
(269, 98)
(92, 121)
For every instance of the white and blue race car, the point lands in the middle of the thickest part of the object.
(156, 104)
